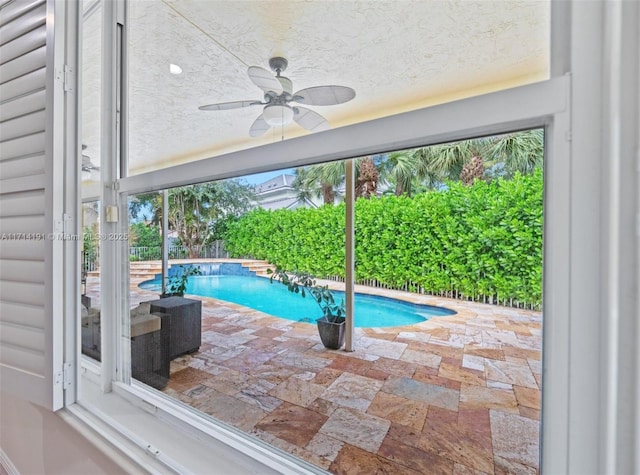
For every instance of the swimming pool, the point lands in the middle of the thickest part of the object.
(258, 293)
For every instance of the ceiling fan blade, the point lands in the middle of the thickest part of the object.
(87, 165)
(324, 95)
(259, 127)
(264, 80)
(310, 120)
(223, 106)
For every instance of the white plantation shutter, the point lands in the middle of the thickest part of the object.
(31, 264)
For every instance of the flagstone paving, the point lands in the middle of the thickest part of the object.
(453, 395)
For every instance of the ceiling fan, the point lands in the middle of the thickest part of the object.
(278, 94)
(88, 168)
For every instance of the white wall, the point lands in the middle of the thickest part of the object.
(39, 441)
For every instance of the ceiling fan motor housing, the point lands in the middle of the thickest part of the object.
(278, 64)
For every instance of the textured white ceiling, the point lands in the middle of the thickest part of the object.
(398, 55)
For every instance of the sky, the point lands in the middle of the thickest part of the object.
(262, 177)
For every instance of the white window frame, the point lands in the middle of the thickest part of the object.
(572, 212)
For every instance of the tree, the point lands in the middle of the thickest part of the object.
(323, 179)
(484, 157)
(367, 178)
(145, 234)
(199, 213)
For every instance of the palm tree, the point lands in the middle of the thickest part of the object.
(367, 178)
(324, 178)
(401, 170)
(468, 160)
(520, 152)
(448, 160)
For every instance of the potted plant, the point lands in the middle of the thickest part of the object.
(177, 284)
(332, 323)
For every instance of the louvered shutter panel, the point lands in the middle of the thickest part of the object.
(30, 315)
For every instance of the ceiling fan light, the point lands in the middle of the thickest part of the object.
(277, 114)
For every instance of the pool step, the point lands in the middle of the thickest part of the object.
(259, 267)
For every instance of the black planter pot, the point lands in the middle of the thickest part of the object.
(331, 334)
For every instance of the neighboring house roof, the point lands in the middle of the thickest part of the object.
(278, 193)
(276, 184)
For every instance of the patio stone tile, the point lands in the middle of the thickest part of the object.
(440, 350)
(484, 352)
(424, 375)
(535, 365)
(226, 341)
(187, 378)
(261, 343)
(481, 323)
(376, 374)
(388, 349)
(421, 358)
(515, 438)
(325, 446)
(354, 461)
(219, 354)
(300, 361)
(529, 413)
(458, 443)
(305, 376)
(395, 367)
(473, 362)
(399, 410)
(509, 467)
(510, 372)
(414, 336)
(292, 423)
(459, 469)
(299, 345)
(515, 327)
(439, 333)
(267, 332)
(425, 392)
(226, 328)
(198, 392)
(273, 373)
(352, 365)
(499, 385)
(293, 449)
(249, 359)
(530, 342)
(527, 397)
(356, 428)
(538, 378)
(326, 376)
(488, 398)
(352, 390)
(499, 337)
(323, 352)
(297, 391)
(457, 373)
(475, 420)
(229, 382)
(416, 459)
(233, 411)
(323, 406)
(256, 394)
(443, 415)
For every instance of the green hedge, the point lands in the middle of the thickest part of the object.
(481, 241)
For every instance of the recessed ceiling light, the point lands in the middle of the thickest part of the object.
(175, 69)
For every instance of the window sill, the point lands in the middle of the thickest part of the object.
(156, 434)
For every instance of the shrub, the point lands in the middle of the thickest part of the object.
(480, 240)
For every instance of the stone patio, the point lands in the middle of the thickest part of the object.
(453, 395)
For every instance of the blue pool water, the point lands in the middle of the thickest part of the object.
(258, 293)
